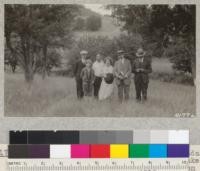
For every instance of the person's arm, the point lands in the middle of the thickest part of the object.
(115, 72)
(128, 74)
(133, 67)
(93, 66)
(93, 76)
(103, 74)
(112, 70)
(82, 73)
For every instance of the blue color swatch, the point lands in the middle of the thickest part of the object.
(158, 151)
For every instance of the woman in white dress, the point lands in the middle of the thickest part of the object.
(107, 85)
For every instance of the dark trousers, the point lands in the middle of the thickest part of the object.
(123, 91)
(97, 84)
(79, 88)
(87, 89)
(141, 87)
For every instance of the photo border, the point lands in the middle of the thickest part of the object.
(98, 123)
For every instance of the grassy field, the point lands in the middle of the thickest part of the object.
(162, 65)
(56, 96)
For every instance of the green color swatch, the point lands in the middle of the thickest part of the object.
(138, 151)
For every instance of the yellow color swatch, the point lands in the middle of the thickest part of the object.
(119, 151)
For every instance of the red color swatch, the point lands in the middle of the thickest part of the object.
(99, 151)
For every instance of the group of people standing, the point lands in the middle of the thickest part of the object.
(97, 79)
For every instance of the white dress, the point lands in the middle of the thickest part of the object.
(106, 90)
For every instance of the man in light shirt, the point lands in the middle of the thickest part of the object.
(98, 72)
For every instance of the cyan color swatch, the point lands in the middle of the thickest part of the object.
(158, 151)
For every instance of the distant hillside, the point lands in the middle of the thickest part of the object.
(85, 12)
(108, 27)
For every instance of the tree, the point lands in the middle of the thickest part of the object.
(178, 25)
(93, 23)
(79, 24)
(162, 27)
(30, 30)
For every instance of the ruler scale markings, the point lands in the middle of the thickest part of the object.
(110, 166)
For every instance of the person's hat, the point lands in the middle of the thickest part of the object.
(120, 51)
(83, 52)
(140, 52)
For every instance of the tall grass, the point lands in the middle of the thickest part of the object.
(56, 96)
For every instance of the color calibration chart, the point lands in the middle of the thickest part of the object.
(99, 144)
(138, 150)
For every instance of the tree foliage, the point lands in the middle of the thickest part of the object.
(93, 23)
(30, 30)
(163, 28)
(80, 24)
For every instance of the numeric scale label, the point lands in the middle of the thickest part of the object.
(169, 164)
(99, 165)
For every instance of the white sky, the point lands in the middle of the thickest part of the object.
(98, 8)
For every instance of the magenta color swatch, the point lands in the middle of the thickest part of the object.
(80, 151)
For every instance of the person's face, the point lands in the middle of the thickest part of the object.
(108, 62)
(98, 57)
(121, 56)
(83, 56)
(88, 65)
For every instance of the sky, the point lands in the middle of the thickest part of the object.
(98, 8)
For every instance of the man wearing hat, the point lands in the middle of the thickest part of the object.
(79, 65)
(141, 68)
(122, 72)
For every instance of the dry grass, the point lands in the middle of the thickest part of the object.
(56, 96)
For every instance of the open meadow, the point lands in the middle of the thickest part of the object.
(56, 96)
(169, 93)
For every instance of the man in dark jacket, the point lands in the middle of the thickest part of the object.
(79, 65)
(141, 68)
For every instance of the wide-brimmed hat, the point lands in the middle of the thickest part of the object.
(84, 52)
(140, 52)
(120, 51)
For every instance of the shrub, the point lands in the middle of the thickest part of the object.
(79, 24)
(93, 23)
(181, 55)
(176, 77)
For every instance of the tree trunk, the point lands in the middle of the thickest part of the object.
(28, 60)
(44, 70)
(29, 74)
